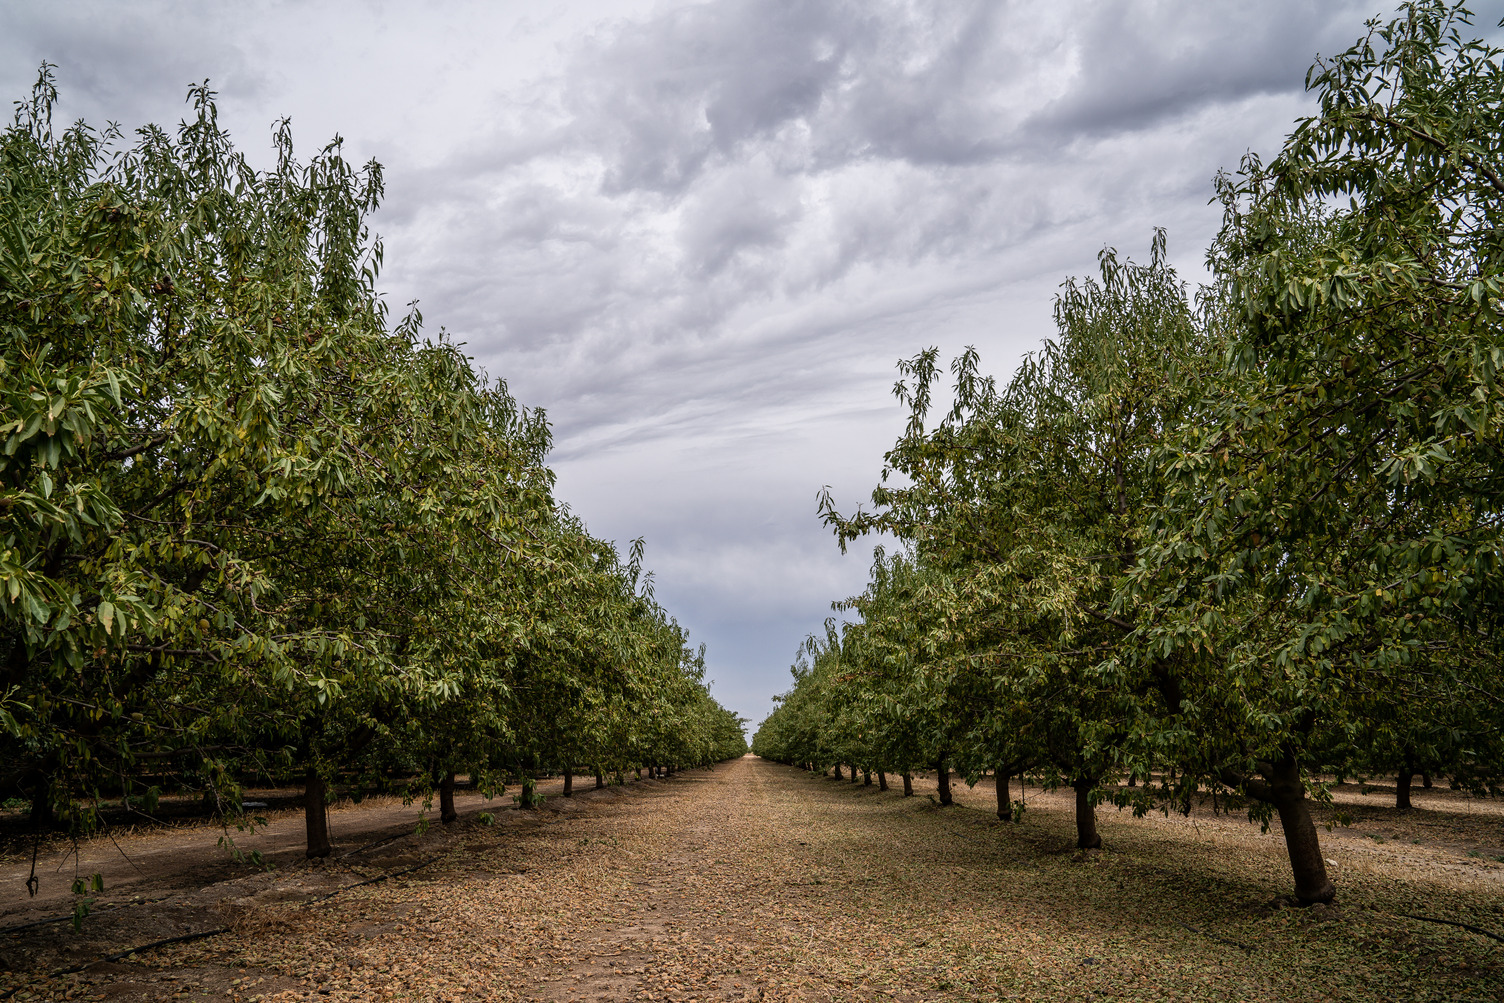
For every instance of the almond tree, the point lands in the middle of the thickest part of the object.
(1327, 558)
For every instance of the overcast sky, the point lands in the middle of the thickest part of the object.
(700, 234)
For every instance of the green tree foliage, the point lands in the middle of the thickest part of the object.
(248, 526)
(1256, 543)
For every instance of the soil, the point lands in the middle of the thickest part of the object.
(757, 881)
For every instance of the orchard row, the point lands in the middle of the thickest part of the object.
(252, 530)
(1230, 545)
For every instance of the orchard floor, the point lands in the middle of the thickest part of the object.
(756, 881)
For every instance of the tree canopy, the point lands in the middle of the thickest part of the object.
(1244, 544)
(251, 527)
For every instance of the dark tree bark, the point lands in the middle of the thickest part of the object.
(1425, 780)
(1286, 792)
(1004, 803)
(1311, 883)
(1087, 837)
(908, 784)
(853, 772)
(882, 780)
(1402, 787)
(600, 779)
(866, 778)
(446, 799)
(42, 816)
(837, 771)
(316, 816)
(942, 771)
(569, 781)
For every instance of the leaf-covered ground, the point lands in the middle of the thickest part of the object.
(755, 881)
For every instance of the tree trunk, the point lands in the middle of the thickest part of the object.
(837, 771)
(1004, 804)
(600, 779)
(882, 780)
(1087, 837)
(1402, 787)
(1288, 795)
(639, 773)
(316, 816)
(1425, 780)
(569, 781)
(866, 778)
(908, 784)
(942, 771)
(42, 816)
(853, 772)
(446, 799)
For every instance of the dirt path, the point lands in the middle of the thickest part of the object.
(754, 881)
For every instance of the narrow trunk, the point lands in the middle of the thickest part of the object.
(1087, 837)
(42, 816)
(882, 780)
(853, 773)
(1402, 787)
(1288, 795)
(866, 778)
(569, 781)
(1425, 780)
(1004, 804)
(639, 773)
(446, 799)
(908, 784)
(837, 773)
(600, 779)
(316, 816)
(942, 771)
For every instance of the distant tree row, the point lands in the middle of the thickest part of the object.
(1235, 545)
(252, 531)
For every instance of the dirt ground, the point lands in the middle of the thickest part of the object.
(756, 881)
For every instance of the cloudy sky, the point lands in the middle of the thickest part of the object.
(700, 234)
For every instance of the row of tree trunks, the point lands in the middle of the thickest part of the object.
(316, 807)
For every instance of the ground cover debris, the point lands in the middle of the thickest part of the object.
(759, 881)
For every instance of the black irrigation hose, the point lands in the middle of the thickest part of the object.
(201, 935)
(107, 907)
(371, 881)
(1452, 922)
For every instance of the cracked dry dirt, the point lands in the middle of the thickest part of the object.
(756, 881)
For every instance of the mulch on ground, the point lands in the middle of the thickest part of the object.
(756, 881)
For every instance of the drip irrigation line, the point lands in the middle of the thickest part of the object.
(201, 935)
(371, 846)
(372, 881)
(1452, 922)
(107, 907)
(8, 993)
